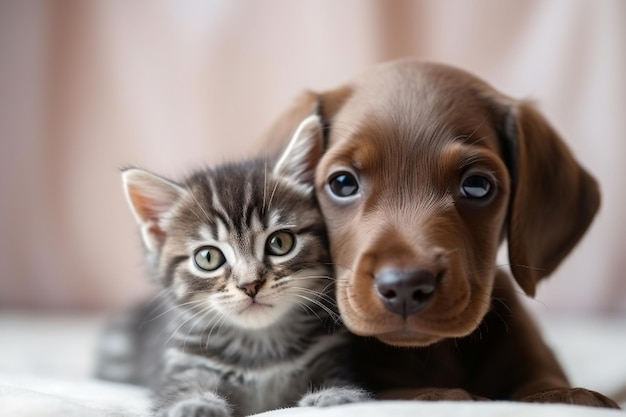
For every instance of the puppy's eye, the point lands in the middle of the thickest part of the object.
(280, 243)
(475, 186)
(343, 184)
(209, 258)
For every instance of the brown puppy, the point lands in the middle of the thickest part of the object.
(426, 171)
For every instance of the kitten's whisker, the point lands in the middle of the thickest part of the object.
(196, 314)
(321, 293)
(311, 277)
(162, 294)
(324, 297)
(329, 289)
(217, 316)
(207, 217)
(198, 216)
(331, 313)
(218, 323)
(264, 186)
(176, 306)
(207, 310)
(269, 205)
(307, 307)
(171, 321)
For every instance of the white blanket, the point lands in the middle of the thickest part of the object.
(41, 397)
(45, 364)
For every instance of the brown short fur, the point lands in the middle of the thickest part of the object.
(411, 131)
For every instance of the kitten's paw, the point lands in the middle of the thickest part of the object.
(196, 408)
(333, 396)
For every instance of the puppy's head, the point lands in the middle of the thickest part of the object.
(426, 170)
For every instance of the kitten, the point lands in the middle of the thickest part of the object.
(246, 320)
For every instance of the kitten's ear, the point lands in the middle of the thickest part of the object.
(150, 198)
(300, 157)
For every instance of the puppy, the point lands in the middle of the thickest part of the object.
(426, 171)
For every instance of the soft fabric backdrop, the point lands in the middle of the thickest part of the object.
(87, 87)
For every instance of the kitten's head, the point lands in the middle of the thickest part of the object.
(245, 242)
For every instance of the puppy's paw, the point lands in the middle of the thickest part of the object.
(579, 396)
(447, 394)
(196, 407)
(333, 396)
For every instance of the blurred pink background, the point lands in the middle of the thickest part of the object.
(87, 87)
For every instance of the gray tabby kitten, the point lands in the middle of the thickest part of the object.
(245, 322)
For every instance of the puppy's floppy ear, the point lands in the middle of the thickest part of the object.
(553, 200)
(300, 157)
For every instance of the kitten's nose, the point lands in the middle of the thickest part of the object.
(250, 288)
(405, 292)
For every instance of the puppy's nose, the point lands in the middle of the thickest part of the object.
(405, 292)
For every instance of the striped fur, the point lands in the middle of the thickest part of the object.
(258, 333)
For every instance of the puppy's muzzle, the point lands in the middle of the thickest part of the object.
(405, 292)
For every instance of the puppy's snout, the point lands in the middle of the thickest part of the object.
(405, 292)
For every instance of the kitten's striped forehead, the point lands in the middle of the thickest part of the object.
(233, 201)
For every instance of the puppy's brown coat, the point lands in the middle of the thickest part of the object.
(427, 170)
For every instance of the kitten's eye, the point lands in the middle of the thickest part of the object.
(280, 243)
(475, 186)
(209, 258)
(343, 184)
